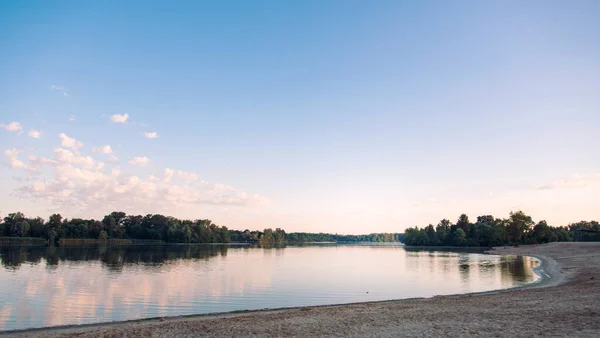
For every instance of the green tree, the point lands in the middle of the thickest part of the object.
(498, 236)
(24, 229)
(463, 223)
(52, 236)
(247, 236)
(443, 232)
(13, 223)
(54, 228)
(224, 235)
(459, 237)
(431, 235)
(37, 227)
(279, 236)
(266, 239)
(483, 230)
(95, 229)
(542, 232)
(518, 225)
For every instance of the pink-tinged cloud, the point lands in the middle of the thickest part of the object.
(69, 142)
(78, 181)
(12, 126)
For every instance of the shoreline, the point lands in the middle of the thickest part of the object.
(552, 275)
(542, 282)
(546, 278)
(548, 272)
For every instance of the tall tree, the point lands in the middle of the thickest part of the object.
(463, 223)
(431, 235)
(518, 225)
(54, 228)
(542, 232)
(460, 238)
(443, 231)
(12, 224)
(266, 239)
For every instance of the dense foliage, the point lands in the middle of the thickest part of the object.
(518, 228)
(118, 225)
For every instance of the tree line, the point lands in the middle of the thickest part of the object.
(489, 231)
(116, 225)
(323, 237)
(159, 228)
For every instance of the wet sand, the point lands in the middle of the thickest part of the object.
(566, 302)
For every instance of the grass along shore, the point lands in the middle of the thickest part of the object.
(566, 302)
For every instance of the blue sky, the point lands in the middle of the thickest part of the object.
(337, 116)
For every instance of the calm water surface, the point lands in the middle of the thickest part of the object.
(57, 286)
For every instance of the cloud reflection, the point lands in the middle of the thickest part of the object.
(84, 285)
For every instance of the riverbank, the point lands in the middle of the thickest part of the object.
(566, 302)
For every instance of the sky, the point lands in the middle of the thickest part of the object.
(318, 116)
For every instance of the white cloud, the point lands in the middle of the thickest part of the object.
(150, 134)
(72, 118)
(139, 160)
(13, 126)
(103, 150)
(69, 142)
(575, 181)
(67, 156)
(34, 133)
(187, 176)
(92, 190)
(169, 173)
(119, 118)
(13, 158)
(113, 159)
(71, 180)
(222, 187)
(80, 176)
(37, 162)
(62, 89)
(180, 174)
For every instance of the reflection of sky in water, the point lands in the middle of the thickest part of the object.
(56, 286)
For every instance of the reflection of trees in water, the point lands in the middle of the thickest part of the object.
(464, 267)
(272, 246)
(52, 257)
(516, 268)
(511, 268)
(12, 259)
(433, 259)
(412, 259)
(112, 257)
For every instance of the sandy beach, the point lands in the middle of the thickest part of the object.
(565, 303)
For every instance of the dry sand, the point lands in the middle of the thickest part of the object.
(566, 303)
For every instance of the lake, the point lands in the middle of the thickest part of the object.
(74, 285)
